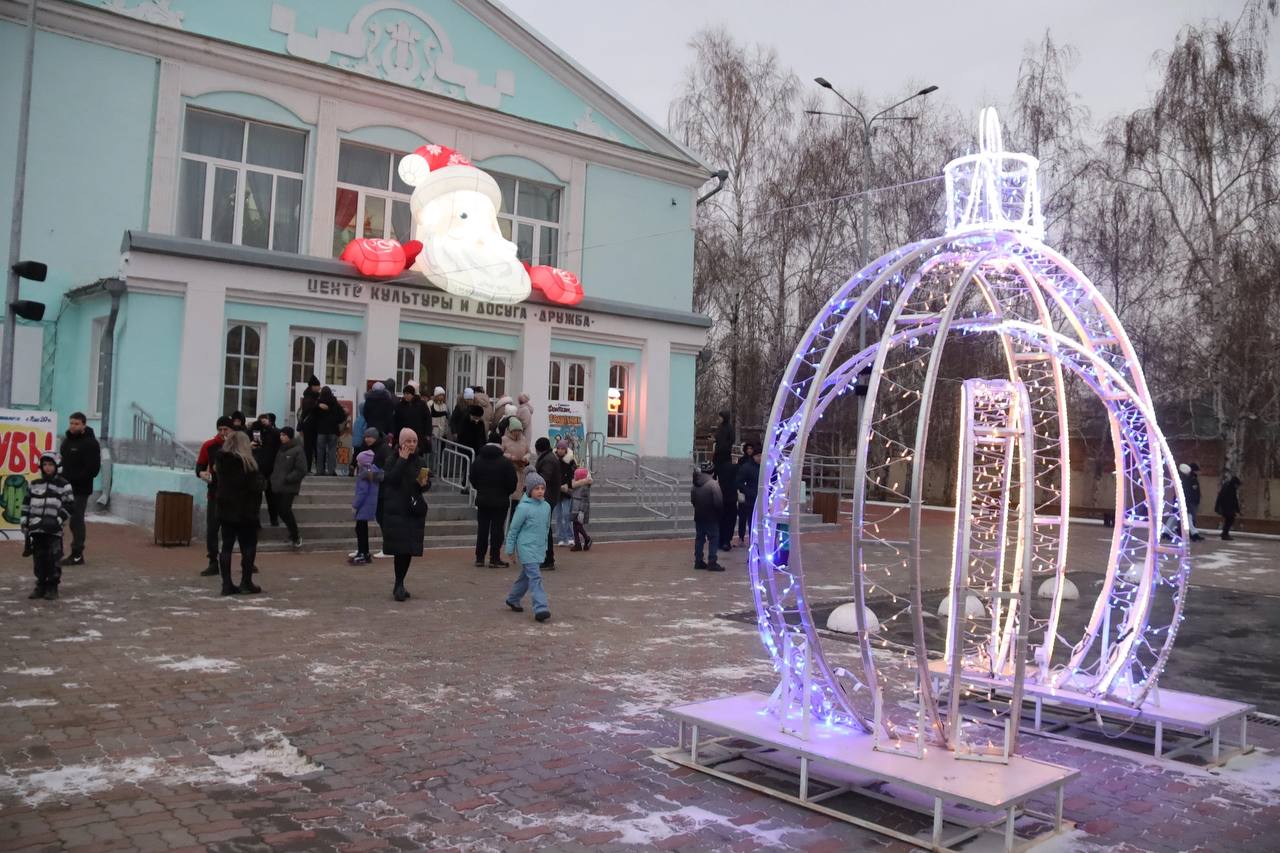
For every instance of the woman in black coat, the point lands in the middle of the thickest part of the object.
(403, 528)
(494, 478)
(239, 498)
(1228, 505)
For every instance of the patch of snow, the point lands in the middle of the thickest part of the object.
(279, 613)
(1259, 772)
(651, 828)
(279, 757)
(199, 663)
(72, 685)
(111, 618)
(88, 635)
(107, 705)
(29, 703)
(33, 670)
(21, 637)
(106, 518)
(616, 729)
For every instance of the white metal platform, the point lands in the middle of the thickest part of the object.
(982, 796)
(1057, 709)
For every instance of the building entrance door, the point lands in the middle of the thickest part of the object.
(326, 356)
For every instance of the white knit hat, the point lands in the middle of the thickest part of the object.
(434, 170)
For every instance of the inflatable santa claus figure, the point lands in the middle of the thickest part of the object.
(457, 243)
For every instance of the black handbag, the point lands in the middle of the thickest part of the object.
(417, 504)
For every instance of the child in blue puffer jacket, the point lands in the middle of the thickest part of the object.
(365, 504)
(527, 536)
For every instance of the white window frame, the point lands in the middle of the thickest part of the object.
(407, 376)
(627, 401)
(486, 356)
(96, 335)
(261, 330)
(515, 221)
(558, 391)
(241, 168)
(362, 192)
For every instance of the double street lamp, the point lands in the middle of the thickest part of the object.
(864, 229)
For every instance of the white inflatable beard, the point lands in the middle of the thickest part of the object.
(465, 254)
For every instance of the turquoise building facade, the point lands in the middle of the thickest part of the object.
(213, 159)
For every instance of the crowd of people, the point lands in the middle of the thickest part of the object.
(249, 465)
(527, 501)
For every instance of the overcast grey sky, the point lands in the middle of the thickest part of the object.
(970, 49)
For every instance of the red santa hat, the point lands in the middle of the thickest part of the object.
(434, 170)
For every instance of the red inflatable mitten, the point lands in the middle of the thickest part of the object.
(379, 258)
(560, 286)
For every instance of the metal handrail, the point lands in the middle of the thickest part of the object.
(453, 464)
(654, 491)
(159, 445)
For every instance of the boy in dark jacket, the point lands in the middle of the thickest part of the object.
(494, 478)
(707, 507)
(45, 508)
(81, 462)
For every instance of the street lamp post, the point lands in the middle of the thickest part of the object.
(864, 227)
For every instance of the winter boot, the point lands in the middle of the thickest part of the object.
(399, 593)
(51, 593)
(542, 616)
(38, 592)
(713, 566)
(247, 586)
(211, 569)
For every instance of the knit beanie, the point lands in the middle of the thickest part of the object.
(514, 424)
(468, 394)
(562, 445)
(437, 392)
(532, 480)
(224, 421)
(581, 474)
(373, 432)
(365, 458)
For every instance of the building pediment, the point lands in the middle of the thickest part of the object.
(474, 51)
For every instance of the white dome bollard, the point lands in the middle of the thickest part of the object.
(972, 607)
(1069, 591)
(844, 619)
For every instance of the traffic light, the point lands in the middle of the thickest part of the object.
(28, 309)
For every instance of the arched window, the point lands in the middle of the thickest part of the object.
(495, 376)
(619, 401)
(240, 374)
(335, 362)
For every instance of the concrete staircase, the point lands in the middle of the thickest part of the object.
(323, 509)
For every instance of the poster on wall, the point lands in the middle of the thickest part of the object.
(568, 421)
(24, 435)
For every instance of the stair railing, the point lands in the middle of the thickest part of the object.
(451, 464)
(652, 490)
(157, 445)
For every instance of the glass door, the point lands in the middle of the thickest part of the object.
(325, 356)
(495, 373)
(462, 365)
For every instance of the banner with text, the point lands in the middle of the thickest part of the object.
(24, 435)
(568, 421)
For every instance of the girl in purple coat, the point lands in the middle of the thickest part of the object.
(365, 504)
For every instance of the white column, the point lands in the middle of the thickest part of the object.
(653, 402)
(535, 358)
(325, 188)
(200, 360)
(164, 147)
(381, 341)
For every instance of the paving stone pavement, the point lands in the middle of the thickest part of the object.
(144, 712)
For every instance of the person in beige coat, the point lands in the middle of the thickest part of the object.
(524, 411)
(482, 400)
(515, 446)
